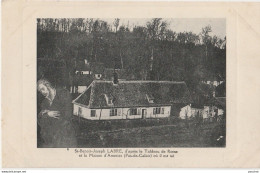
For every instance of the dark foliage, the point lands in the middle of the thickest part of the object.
(152, 52)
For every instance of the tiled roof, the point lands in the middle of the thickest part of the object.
(85, 97)
(134, 93)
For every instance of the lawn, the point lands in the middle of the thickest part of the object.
(150, 133)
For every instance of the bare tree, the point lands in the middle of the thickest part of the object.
(206, 38)
(156, 29)
(116, 23)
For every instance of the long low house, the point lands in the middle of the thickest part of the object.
(106, 100)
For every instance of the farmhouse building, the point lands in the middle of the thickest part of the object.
(213, 81)
(215, 107)
(85, 73)
(98, 70)
(106, 100)
(82, 67)
(82, 82)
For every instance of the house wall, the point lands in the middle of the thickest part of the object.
(83, 72)
(188, 112)
(84, 111)
(185, 112)
(215, 83)
(81, 89)
(220, 111)
(206, 112)
(196, 111)
(86, 72)
(209, 111)
(167, 112)
(122, 113)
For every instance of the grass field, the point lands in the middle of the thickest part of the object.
(150, 133)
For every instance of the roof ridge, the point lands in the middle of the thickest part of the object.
(162, 92)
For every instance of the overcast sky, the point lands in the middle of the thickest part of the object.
(218, 25)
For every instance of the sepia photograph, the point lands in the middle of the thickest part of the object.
(131, 82)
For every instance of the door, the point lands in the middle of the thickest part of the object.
(144, 112)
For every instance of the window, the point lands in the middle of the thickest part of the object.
(113, 112)
(109, 99)
(110, 102)
(93, 113)
(162, 111)
(133, 111)
(156, 110)
(150, 98)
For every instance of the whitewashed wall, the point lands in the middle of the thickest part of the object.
(185, 112)
(81, 89)
(209, 112)
(167, 112)
(85, 111)
(220, 111)
(206, 112)
(86, 72)
(122, 113)
(196, 111)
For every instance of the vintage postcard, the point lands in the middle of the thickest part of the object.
(130, 84)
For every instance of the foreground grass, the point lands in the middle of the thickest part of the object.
(151, 133)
